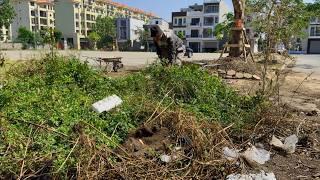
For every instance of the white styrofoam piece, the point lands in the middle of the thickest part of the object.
(107, 104)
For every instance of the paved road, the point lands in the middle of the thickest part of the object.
(130, 59)
(308, 64)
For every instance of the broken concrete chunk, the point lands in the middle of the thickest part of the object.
(165, 158)
(259, 176)
(107, 104)
(256, 155)
(247, 75)
(289, 144)
(239, 75)
(230, 154)
(276, 142)
(220, 71)
(231, 73)
(228, 77)
(256, 77)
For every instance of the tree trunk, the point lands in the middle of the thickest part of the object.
(239, 6)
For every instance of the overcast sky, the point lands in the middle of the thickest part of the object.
(164, 8)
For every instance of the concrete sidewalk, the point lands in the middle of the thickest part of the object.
(130, 59)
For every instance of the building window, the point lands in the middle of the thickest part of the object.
(207, 33)
(123, 33)
(43, 14)
(195, 21)
(216, 19)
(315, 31)
(77, 24)
(175, 21)
(195, 33)
(77, 16)
(157, 22)
(31, 3)
(184, 20)
(43, 22)
(208, 21)
(211, 9)
(33, 21)
(180, 22)
(123, 23)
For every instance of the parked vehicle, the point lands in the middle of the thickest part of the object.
(189, 52)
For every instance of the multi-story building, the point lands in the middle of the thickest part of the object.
(161, 22)
(128, 33)
(197, 22)
(312, 44)
(5, 34)
(35, 15)
(76, 18)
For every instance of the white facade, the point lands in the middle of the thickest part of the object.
(128, 30)
(164, 25)
(197, 24)
(76, 18)
(5, 34)
(35, 15)
(310, 44)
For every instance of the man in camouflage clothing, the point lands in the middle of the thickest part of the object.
(169, 46)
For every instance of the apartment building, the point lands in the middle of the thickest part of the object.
(35, 15)
(76, 18)
(5, 34)
(197, 22)
(128, 33)
(313, 42)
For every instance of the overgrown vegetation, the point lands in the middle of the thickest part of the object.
(46, 116)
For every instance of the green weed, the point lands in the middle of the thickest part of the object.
(48, 103)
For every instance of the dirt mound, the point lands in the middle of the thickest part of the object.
(176, 145)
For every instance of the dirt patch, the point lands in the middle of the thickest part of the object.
(148, 141)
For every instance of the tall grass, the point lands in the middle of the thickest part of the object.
(47, 103)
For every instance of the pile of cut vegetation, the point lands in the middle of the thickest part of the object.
(49, 130)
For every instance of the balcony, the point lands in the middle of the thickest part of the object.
(195, 24)
(194, 36)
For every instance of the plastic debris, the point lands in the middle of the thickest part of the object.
(256, 155)
(165, 158)
(260, 176)
(289, 144)
(107, 104)
(230, 154)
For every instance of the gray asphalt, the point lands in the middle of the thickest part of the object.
(308, 64)
(130, 59)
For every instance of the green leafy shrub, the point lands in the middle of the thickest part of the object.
(48, 102)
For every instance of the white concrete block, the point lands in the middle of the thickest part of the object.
(107, 104)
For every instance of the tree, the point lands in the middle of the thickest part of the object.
(224, 28)
(239, 8)
(180, 35)
(94, 37)
(144, 35)
(280, 21)
(26, 37)
(106, 29)
(7, 13)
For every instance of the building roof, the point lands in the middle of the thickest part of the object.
(124, 6)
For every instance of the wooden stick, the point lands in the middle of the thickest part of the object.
(24, 156)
